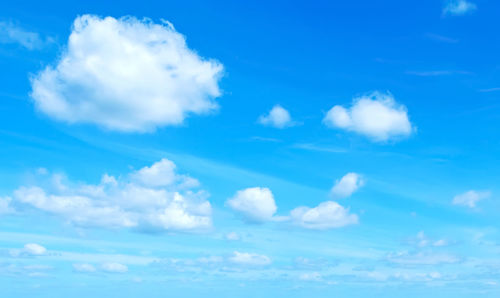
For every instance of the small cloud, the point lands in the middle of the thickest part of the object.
(441, 38)
(314, 147)
(254, 204)
(29, 250)
(421, 240)
(250, 259)
(34, 249)
(11, 33)
(327, 215)
(458, 7)
(470, 198)
(265, 139)
(311, 276)
(435, 73)
(5, 207)
(377, 116)
(233, 236)
(278, 117)
(347, 185)
(84, 268)
(489, 90)
(114, 268)
(420, 258)
(440, 242)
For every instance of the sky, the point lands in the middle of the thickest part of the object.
(258, 149)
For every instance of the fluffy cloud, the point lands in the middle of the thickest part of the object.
(130, 202)
(163, 173)
(114, 268)
(326, 215)
(128, 75)
(347, 185)
(254, 204)
(249, 259)
(470, 198)
(376, 116)
(458, 7)
(278, 117)
(29, 250)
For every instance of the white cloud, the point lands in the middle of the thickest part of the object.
(255, 204)
(459, 7)
(128, 75)
(278, 117)
(162, 173)
(125, 203)
(114, 267)
(34, 249)
(347, 185)
(29, 250)
(243, 258)
(84, 268)
(11, 33)
(377, 116)
(326, 215)
(470, 198)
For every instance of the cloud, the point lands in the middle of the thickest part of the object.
(377, 116)
(114, 268)
(34, 249)
(29, 250)
(162, 173)
(470, 198)
(421, 240)
(326, 215)
(278, 117)
(5, 207)
(129, 202)
(84, 268)
(347, 185)
(126, 75)
(254, 204)
(233, 236)
(435, 73)
(251, 259)
(11, 33)
(441, 38)
(421, 258)
(458, 7)
(490, 90)
(311, 276)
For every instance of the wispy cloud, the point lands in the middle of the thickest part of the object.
(313, 147)
(490, 90)
(435, 73)
(11, 33)
(441, 38)
(470, 198)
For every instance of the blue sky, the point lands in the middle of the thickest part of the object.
(284, 149)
